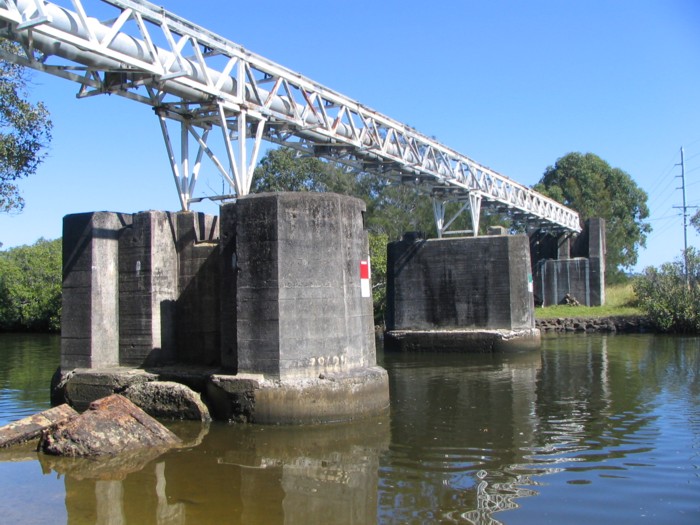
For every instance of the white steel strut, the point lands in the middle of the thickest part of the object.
(202, 81)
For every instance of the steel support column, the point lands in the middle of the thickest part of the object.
(440, 207)
(475, 209)
(236, 132)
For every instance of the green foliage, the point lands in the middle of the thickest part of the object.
(377, 254)
(25, 130)
(30, 287)
(589, 185)
(394, 210)
(670, 300)
(695, 221)
(621, 295)
(284, 170)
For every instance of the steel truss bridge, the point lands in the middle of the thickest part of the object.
(201, 83)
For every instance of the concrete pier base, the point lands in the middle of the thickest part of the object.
(246, 398)
(475, 340)
(252, 398)
(464, 294)
(303, 349)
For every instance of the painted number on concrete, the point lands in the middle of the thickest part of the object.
(364, 279)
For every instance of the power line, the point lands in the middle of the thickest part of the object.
(658, 232)
(662, 178)
(664, 218)
(658, 204)
(693, 156)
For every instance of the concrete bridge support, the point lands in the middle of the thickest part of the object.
(567, 269)
(461, 294)
(263, 314)
(90, 311)
(127, 283)
(297, 328)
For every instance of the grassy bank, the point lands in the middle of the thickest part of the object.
(619, 301)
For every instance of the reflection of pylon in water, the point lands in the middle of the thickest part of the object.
(497, 497)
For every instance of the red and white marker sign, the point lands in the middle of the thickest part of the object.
(364, 279)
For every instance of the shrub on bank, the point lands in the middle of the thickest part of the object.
(670, 299)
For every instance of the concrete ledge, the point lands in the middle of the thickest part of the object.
(82, 386)
(246, 398)
(467, 341)
(329, 398)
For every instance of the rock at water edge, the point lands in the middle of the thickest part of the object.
(168, 400)
(110, 425)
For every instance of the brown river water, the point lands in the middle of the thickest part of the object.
(589, 429)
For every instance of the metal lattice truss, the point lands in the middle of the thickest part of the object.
(203, 83)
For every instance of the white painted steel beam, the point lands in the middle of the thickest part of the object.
(200, 80)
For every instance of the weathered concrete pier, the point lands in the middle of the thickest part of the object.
(570, 268)
(262, 311)
(477, 294)
(462, 294)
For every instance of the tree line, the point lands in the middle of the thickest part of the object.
(30, 287)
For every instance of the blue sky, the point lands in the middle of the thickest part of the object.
(513, 85)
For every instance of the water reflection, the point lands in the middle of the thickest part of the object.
(597, 428)
(326, 474)
(26, 366)
(472, 437)
(456, 422)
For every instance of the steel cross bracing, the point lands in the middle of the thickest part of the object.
(206, 83)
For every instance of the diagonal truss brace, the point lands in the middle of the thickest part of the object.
(440, 208)
(236, 132)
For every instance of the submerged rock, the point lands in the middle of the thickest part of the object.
(168, 400)
(31, 427)
(110, 425)
(107, 467)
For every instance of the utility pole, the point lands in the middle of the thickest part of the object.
(685, 218)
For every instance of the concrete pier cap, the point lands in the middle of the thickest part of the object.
(265, 311)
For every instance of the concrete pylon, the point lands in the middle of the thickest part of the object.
(90, 311)
(470, 294)
(267, 313)
(576, 273)
(297, 322)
